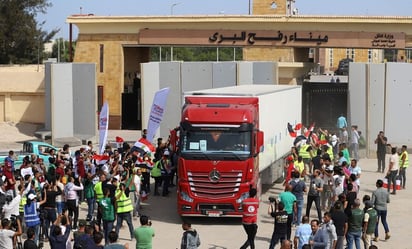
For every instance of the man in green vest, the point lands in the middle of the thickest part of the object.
(369, 223)
(355, 221)
(403, 165)
(106, 204)
(124, 209)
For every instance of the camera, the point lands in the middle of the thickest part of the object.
(272, 199)
(149, 223)
(13, 222)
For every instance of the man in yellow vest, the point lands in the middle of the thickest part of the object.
(98, 192)
(403, 165)
(305, 151)
(124, 209)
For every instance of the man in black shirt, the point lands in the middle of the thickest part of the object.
(49, 207)
(112, 187)
(316, 162)
(29, 243)
(281, 220)
(381, 142)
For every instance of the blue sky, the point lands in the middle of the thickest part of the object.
(56, 15)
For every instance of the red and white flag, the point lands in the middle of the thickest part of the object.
(101, 159)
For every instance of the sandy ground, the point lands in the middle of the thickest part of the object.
(12, 134)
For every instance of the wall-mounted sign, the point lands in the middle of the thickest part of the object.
(278, 38)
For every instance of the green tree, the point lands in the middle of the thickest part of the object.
(197, 53)
(21, 36)
(60, 50)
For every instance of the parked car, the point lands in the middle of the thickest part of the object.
(40, 149)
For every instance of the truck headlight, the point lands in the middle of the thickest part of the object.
(185, 196)
(242, 197)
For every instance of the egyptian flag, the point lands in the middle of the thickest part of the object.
(308, 132)
(148, 144)
(119, 142)
(291, 131)
(101, 159)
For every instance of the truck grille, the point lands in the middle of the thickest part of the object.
(202, 186)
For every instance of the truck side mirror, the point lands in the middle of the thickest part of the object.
(259, 142)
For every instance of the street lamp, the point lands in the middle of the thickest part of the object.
(171, 13)
(172, 7)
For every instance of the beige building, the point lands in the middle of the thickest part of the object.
(274, 32)
(119, 44)
(22, 94)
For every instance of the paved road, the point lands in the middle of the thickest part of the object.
(227, 233)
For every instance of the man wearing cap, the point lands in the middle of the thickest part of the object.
(9, 160)
(31, 215)
(10, 180)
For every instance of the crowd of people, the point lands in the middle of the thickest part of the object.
(329, 174)
(43, 202)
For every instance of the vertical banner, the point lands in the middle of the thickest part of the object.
(156, 113)
(103, 127)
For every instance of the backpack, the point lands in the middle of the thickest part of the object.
(156, 171)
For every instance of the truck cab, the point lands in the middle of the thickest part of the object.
(219, 140)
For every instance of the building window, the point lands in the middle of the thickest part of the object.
(330, 57)
(350, 53)
(370, 55)
(101, 57)
(408, 52)
(100, 98)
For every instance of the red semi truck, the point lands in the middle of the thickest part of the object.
(221, 145)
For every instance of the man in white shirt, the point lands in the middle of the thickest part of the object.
(355, 169)
(137, 181)
(7, 235)
(355, 142)
(393, 170)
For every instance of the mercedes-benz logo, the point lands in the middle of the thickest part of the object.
(214, 175)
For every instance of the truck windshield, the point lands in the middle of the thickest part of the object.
(217, 141)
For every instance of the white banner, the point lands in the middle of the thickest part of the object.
(156, 113)
(103, 127)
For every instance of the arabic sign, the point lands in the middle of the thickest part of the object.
(384, 40)
(251, 38)
(324, 39)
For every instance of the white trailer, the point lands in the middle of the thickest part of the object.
(278, 106)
